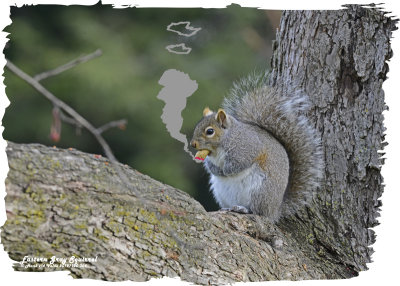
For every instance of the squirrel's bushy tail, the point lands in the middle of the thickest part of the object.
(282, 114)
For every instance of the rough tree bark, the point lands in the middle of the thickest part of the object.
(339, 59)
(65, 202)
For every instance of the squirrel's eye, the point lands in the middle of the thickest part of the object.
(209, 131)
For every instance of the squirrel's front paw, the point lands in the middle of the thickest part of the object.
(237, 209)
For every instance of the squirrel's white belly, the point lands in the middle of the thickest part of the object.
(236, 190)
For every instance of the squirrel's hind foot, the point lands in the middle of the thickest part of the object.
(237, 209)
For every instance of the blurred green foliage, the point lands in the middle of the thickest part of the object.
(123, 82)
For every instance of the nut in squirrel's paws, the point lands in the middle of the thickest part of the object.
(201, 155)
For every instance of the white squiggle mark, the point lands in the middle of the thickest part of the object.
(185, 50)
(187, 27)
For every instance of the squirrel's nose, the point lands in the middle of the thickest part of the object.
(194, 143)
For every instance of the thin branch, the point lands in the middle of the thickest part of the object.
(69, 120)
(116, 123)
(69, 110)
(67, 66)
(111, 124)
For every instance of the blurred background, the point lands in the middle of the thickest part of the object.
(123, 82)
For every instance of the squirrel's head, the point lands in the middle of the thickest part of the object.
(210, 129)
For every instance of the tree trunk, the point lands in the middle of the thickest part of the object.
(64, 202)
(338, 58)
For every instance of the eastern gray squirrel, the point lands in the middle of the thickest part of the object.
(261, 152)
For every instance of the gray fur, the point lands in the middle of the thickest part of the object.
(261, 120)
(282, 114)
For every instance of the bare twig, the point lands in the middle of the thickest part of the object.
(116, 123)
(67, 66)
(62, 105)
(69, 120)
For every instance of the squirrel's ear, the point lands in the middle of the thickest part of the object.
(207, 111)
(222, 118)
